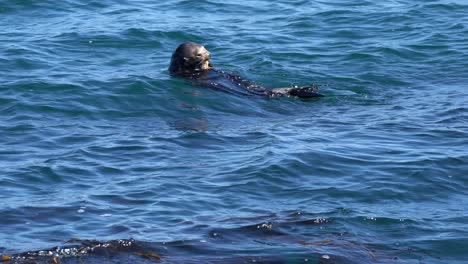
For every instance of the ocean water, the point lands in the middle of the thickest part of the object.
(100, 145)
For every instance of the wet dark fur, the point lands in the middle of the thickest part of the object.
(192, 61)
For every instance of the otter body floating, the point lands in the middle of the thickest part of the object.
(192, 61)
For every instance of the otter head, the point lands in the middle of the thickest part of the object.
(189, 58)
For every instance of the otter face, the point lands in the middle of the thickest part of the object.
(190, 58)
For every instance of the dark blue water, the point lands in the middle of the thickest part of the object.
(99, 143)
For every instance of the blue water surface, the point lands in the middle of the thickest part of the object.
(99, 142)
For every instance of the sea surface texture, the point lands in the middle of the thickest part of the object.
(106, 158)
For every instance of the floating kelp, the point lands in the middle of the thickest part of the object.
(269, 241)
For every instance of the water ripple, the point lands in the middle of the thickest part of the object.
(100, 142)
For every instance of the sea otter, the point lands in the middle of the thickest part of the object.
(192, 61)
